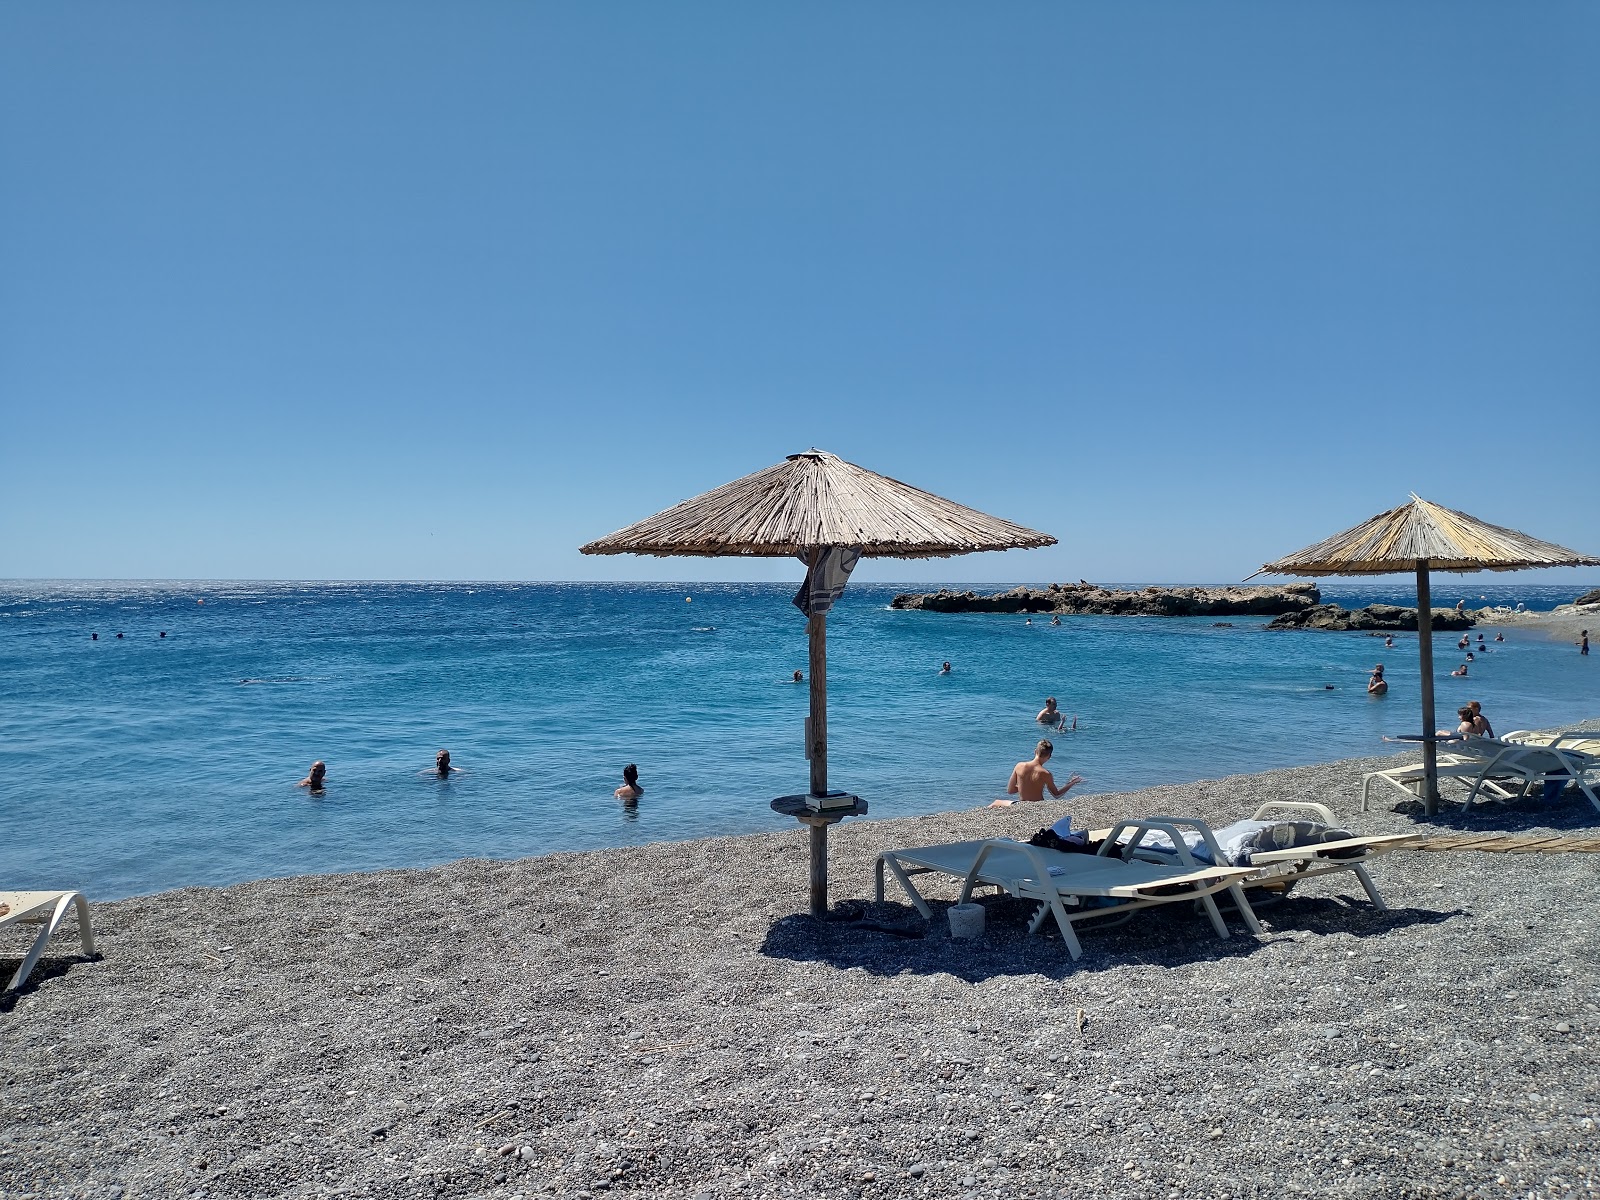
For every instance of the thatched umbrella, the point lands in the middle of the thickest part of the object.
(1420, 537)
(828, 513)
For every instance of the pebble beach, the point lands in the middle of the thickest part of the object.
(663, 1020)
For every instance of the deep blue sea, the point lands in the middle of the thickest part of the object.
(141, 763)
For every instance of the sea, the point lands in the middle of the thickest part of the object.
(164, 752)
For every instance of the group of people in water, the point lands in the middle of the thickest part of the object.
(1377, 685)
(316, 780)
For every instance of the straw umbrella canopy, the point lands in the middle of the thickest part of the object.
(1421, 536)
(827, 512)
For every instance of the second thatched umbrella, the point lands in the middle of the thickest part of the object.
(1424, 537)
(830, 514)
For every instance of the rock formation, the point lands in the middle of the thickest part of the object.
(1383, 617)
(1086, 599)
(1589, 597)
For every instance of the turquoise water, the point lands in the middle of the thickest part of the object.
(144, 763)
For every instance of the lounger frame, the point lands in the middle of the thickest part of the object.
(1023, 871)
(47, 910)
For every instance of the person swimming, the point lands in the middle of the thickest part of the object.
(1461, 670)
(1056, 620)
(945, 670)
(442, 767)
(1050, 714)
(631, 789)
(799, 677)
(315, 777)
(1388, 642)
(1377, 685)
(1499, 637)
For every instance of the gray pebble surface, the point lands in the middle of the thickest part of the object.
(662, 1020)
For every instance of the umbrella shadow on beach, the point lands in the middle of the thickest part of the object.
(887, 938)
(1528, 815)
(892, 939)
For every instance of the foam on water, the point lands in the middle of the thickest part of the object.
(134, 765)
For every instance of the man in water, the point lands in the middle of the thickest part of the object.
(1030, 779)
(799, 677)
(313, 780)
(442, 767)
(1377, 685)
(1461, 670)
(1583, 642)
(945, 670)
(1388, 642)
(1050, 714)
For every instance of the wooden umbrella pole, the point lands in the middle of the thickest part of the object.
(817, 749)
(1430, 748)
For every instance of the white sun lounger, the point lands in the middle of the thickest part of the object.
(1269, 868)
(1491, 764)
(1061, 881)
(46, 909)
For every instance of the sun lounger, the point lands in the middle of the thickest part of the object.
(1491, 764)
(1241, 845)
(48, 910)
(1059, 882)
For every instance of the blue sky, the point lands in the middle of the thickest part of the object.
(394, 290)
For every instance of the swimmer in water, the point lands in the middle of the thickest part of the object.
(1469, 657)
(1499, 637)
(441, 766)
(630, 789)
(1388, 642)
(799, 678)
(1050, 714)
(945, 670)
(1029, 621)
(1461, 670)
(1377, 685)
(1056, 620)
(1030, 779)
(313, 780)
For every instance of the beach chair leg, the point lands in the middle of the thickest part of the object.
(1366, 791)
(878, 873)
(1370, 887)
(1589, 792)
(1217, 922)
(905, 882)
(1245, 911)
(48, 927)
(1064, 923)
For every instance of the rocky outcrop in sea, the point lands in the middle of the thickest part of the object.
(1087, 599)
(1374, 617)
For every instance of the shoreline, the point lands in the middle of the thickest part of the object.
(662, 1020)
(1561, 624)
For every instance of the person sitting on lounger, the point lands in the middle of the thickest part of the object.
(630, 789)
(313, 780)
(1377, 685)
(1480, 724)
(1030, 779)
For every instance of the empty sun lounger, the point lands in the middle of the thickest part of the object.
(48, 910)
(1500, 770)
(1059, 882)
(1266, 847)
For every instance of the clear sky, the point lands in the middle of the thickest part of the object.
(395, 290)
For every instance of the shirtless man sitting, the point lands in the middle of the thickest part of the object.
(1030, 779)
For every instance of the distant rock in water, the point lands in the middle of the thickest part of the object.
(1589, 597)
(1085, 599)
(1373, 617)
